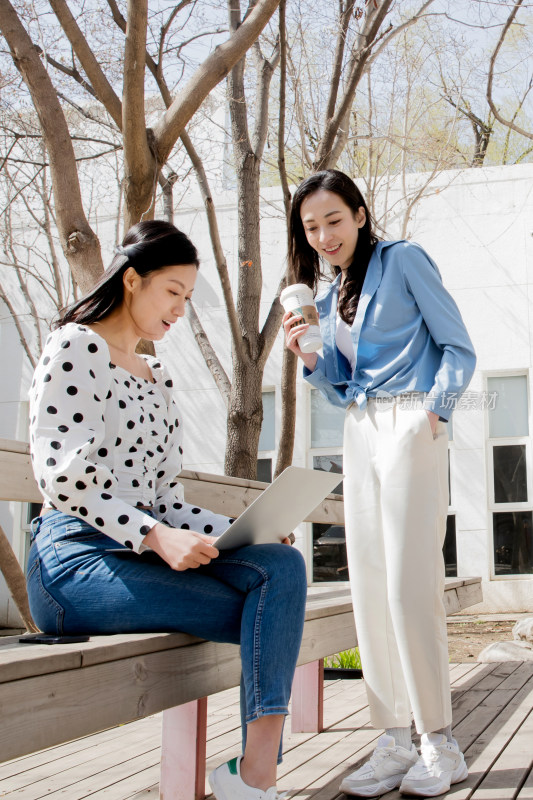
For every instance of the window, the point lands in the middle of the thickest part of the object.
(450, 548)
(267, 438)
(264, 470)
(510, 494)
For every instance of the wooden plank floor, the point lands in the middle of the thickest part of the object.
(493, 722)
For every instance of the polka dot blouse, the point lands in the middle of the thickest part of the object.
(104, 441)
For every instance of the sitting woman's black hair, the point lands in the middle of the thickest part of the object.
(147, 247)
(305, 261)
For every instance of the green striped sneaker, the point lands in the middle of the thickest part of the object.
(227, 784)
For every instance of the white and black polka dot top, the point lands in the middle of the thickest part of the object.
(104, 441)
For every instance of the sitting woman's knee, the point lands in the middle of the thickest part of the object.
(291, 564)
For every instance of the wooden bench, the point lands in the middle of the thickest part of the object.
(52, 694)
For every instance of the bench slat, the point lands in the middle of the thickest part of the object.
(17, 481)
(100, 696)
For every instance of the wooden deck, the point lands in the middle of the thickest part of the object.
(493, 722)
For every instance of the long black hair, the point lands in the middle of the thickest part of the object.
(147, 247)
(305, 260)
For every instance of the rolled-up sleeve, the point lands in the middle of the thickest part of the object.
(338, 394)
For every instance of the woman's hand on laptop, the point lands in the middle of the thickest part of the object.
(181, 549)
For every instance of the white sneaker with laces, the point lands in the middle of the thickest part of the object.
(441, 763)
(227, 784)
(383, 772)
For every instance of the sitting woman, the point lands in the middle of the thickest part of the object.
(116, 548)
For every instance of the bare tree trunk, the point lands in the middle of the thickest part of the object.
(16, 582)
(140, 168)
(245, 412)
(289, 367)
(80, 245)
(245, 416)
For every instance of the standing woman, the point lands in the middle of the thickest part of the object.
(116, 548)
(396, 355)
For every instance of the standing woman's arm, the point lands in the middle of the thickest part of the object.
(71, 387)
(446, 327)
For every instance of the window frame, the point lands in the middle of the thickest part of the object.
(502, 441)
(270, 454)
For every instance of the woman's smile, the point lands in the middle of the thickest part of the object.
(331, 227)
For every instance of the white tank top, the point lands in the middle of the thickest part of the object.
(343, 340)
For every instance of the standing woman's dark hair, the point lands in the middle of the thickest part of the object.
(147, 247)
(304, 259)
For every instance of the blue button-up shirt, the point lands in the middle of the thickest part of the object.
(408, 335)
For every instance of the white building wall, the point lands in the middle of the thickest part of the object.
(478, 226)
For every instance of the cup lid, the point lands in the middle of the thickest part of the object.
(293, 289)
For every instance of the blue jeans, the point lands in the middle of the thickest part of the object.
(81, 581)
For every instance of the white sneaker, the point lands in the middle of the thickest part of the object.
(441, 763)
(383, 772)
(227, 784)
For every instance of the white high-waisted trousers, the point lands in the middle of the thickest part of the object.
(396, 501)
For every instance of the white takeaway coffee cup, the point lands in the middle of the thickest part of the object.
(298, 298)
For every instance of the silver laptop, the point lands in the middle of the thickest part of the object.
(280, 508)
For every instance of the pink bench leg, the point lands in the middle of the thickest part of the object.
(308, 698)
(183, 752)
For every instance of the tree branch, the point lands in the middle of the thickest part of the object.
(265, 70)
(360, 55)
(389, 35)
(150, 63)
(273, 321)
(507, 123)
(282, 167)
(218, 252)
(165, 29)
(236, 93)
(215, 67)
(346, 16)
(72, 72)
(99, 82)
(210, 357)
